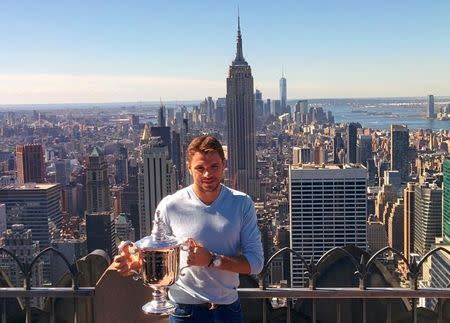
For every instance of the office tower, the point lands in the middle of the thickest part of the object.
(63, 170)
(427, 216)
(176, 155)
(408, 218)
(430, 107)
(439, 269)
(446, 201)
(210, 110)
(72, 248)
(259, 104)
(18, 240)
(130, 196)
(121, 166)
(156, 179)
(164, 136)
(220, 116)
(395, 225)
(275, 108)
(392, 177)
(400, 150)
(30, 164)
(376, 235)
(267, 107)
(387, 194)
(97, 184)
(338, 145)
(351, 135)
(37, 207)
(124, 228)
(301, 155)
(240, 107)
(363, 149)
(327, 209)
(101, 232)
(2, 218)
(162, 115)
(283, 94)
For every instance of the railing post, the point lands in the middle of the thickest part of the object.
(364, 311)
(389, 312)
(75, 310)
(414, 310)
(289, 306)
(338, 312)
(3, 310)
(52, 310)
(314, 316)
(264, 308)
(440, 305)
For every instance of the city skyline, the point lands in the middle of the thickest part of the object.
(107, 52)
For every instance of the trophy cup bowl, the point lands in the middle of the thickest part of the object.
(160, 256)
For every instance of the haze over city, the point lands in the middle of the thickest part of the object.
(62, 51)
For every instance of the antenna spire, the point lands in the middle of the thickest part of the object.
(239, 60)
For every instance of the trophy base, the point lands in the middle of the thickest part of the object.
(158, 308)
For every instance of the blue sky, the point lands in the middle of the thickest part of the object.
(106, 51)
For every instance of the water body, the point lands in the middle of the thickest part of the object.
(382, 117)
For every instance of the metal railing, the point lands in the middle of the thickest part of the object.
(362, 292)
(28, 292)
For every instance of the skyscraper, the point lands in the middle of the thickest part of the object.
(352, 131)
(240, 106)
(427, 216)
(20, 242)
(259, 103)
(328, 208)
(156, 179)
(37, 207)
(63, 170)
(430, 107)
(283, 93)
(97, 184)
(363, 149)
(446, 201)
(408, 218)
(30, 164)
(162, 116)
(399, 150)
(101, 232)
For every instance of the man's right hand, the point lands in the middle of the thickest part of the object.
(129, 261)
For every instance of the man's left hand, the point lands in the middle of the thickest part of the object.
(198, 255)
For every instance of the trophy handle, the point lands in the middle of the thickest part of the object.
(184, 245)
(136, 275)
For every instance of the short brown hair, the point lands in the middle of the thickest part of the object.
(204, 144)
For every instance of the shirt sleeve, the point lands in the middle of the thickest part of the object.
(251, 244)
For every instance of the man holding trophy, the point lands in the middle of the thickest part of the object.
(221, 229)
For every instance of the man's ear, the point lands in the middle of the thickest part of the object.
(188, 167)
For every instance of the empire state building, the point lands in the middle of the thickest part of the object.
(240, 106)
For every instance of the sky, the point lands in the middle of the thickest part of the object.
(57, 51)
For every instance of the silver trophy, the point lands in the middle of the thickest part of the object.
(160, 265)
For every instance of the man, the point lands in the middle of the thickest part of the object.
(224, 239)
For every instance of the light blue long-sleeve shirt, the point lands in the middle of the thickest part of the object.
(228, 227)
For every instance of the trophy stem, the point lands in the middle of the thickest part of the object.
(159, 305)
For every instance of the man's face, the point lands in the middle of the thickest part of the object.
(207, 171)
